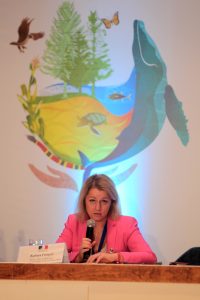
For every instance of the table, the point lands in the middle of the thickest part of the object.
(98, 281)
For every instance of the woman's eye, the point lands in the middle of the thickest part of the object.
(92, 200)
(104, 201)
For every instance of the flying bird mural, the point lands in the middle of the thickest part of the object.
(24, 35)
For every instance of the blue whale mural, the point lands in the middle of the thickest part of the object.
(154, 101)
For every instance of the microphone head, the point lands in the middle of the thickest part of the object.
(91, 223)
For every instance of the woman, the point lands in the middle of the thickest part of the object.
(117, 238)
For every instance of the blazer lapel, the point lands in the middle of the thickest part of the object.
(111, 235)
(83, 229)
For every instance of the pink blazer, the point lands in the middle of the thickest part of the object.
(123, 235)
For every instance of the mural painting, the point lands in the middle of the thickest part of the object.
(76, 122)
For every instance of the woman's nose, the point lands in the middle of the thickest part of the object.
(97, 205)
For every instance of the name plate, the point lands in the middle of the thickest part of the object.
(44, 254)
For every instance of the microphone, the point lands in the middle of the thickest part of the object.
(89, 235)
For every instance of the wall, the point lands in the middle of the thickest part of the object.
(165, 184)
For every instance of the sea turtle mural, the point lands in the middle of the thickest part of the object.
(89, 127)
(92, 120)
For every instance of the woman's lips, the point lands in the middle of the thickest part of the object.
(97, 214)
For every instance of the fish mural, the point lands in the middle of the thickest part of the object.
(118, 96)
(90, 127)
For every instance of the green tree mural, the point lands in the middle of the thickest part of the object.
(61, 47)
(80, 74)
(73, 56)
(99, 61)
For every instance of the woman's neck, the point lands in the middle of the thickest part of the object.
(100, 225)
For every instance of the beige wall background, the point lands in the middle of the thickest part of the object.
(166, 181)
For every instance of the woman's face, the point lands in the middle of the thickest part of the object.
(97, 204)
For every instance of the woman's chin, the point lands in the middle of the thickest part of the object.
(98, 218)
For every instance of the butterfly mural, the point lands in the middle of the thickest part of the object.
(108, 23)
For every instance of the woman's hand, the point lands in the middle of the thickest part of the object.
(103, 257)
(86, 245)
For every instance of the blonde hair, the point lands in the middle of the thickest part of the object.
(103, 183)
